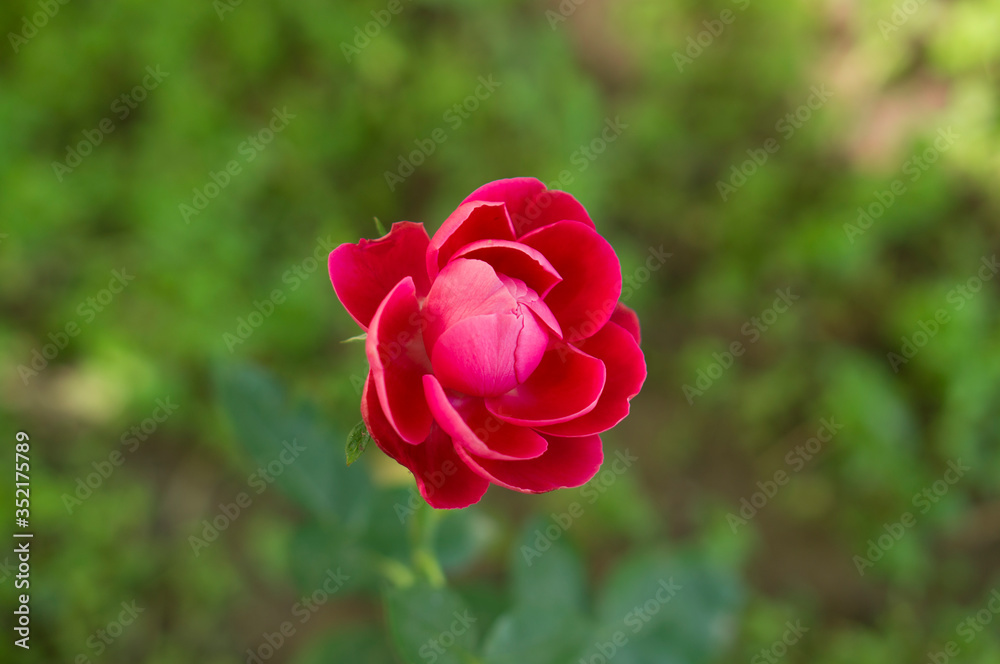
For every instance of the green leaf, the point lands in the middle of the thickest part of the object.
(357, 442)
(461, 535)
(360, 337)
(361, 645)
(431, 624)
(534, 635)
(546, 572)
(291, 448)
(380, 228)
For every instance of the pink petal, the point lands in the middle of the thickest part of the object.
(628, 319)
(530, 205)
(489, 355)
(395, 350)
(464, 288)
(443, 478)
(592, 277)
(471, 222)
(480, 432)
(514, 259)
(568, 462)
(566, 384)
(363, 274)
(626, 368)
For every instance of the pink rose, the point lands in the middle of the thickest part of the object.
(498, 348)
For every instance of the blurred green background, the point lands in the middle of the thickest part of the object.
(114, 116)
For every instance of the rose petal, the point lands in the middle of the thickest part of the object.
(464, 288)
(443, 478)
(626, 368)
(628, 319)
(567, 462)
(514, 259)
(489, 355)
(481, 433)
(363, 274)
(566, 384)
(592, 277)
(473, 221)
(395, 350)
(530, 205)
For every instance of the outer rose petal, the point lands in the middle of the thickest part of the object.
(530, 205)
(566, 385)
(443, 478)
(395, 350)
(363, 274)
(626, 367)
(517, 260)
(592, 276)
(477, 220)
(568, 462)
(480, 432)
(628, 319)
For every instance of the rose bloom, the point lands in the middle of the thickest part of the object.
(498, 350)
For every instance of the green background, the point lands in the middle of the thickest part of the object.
(563, 72)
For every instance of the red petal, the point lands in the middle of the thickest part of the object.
(363, 274)
(476, 429)
(473, 221)
(395, 350)
(514, 259)
(464, 288)
(566, 384)
(626, 369)
(592, 276)
(628, 319)
(530, 205)
(568, 462)
(443, 478)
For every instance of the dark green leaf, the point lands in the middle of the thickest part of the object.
(546, 570)
(431, 624)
